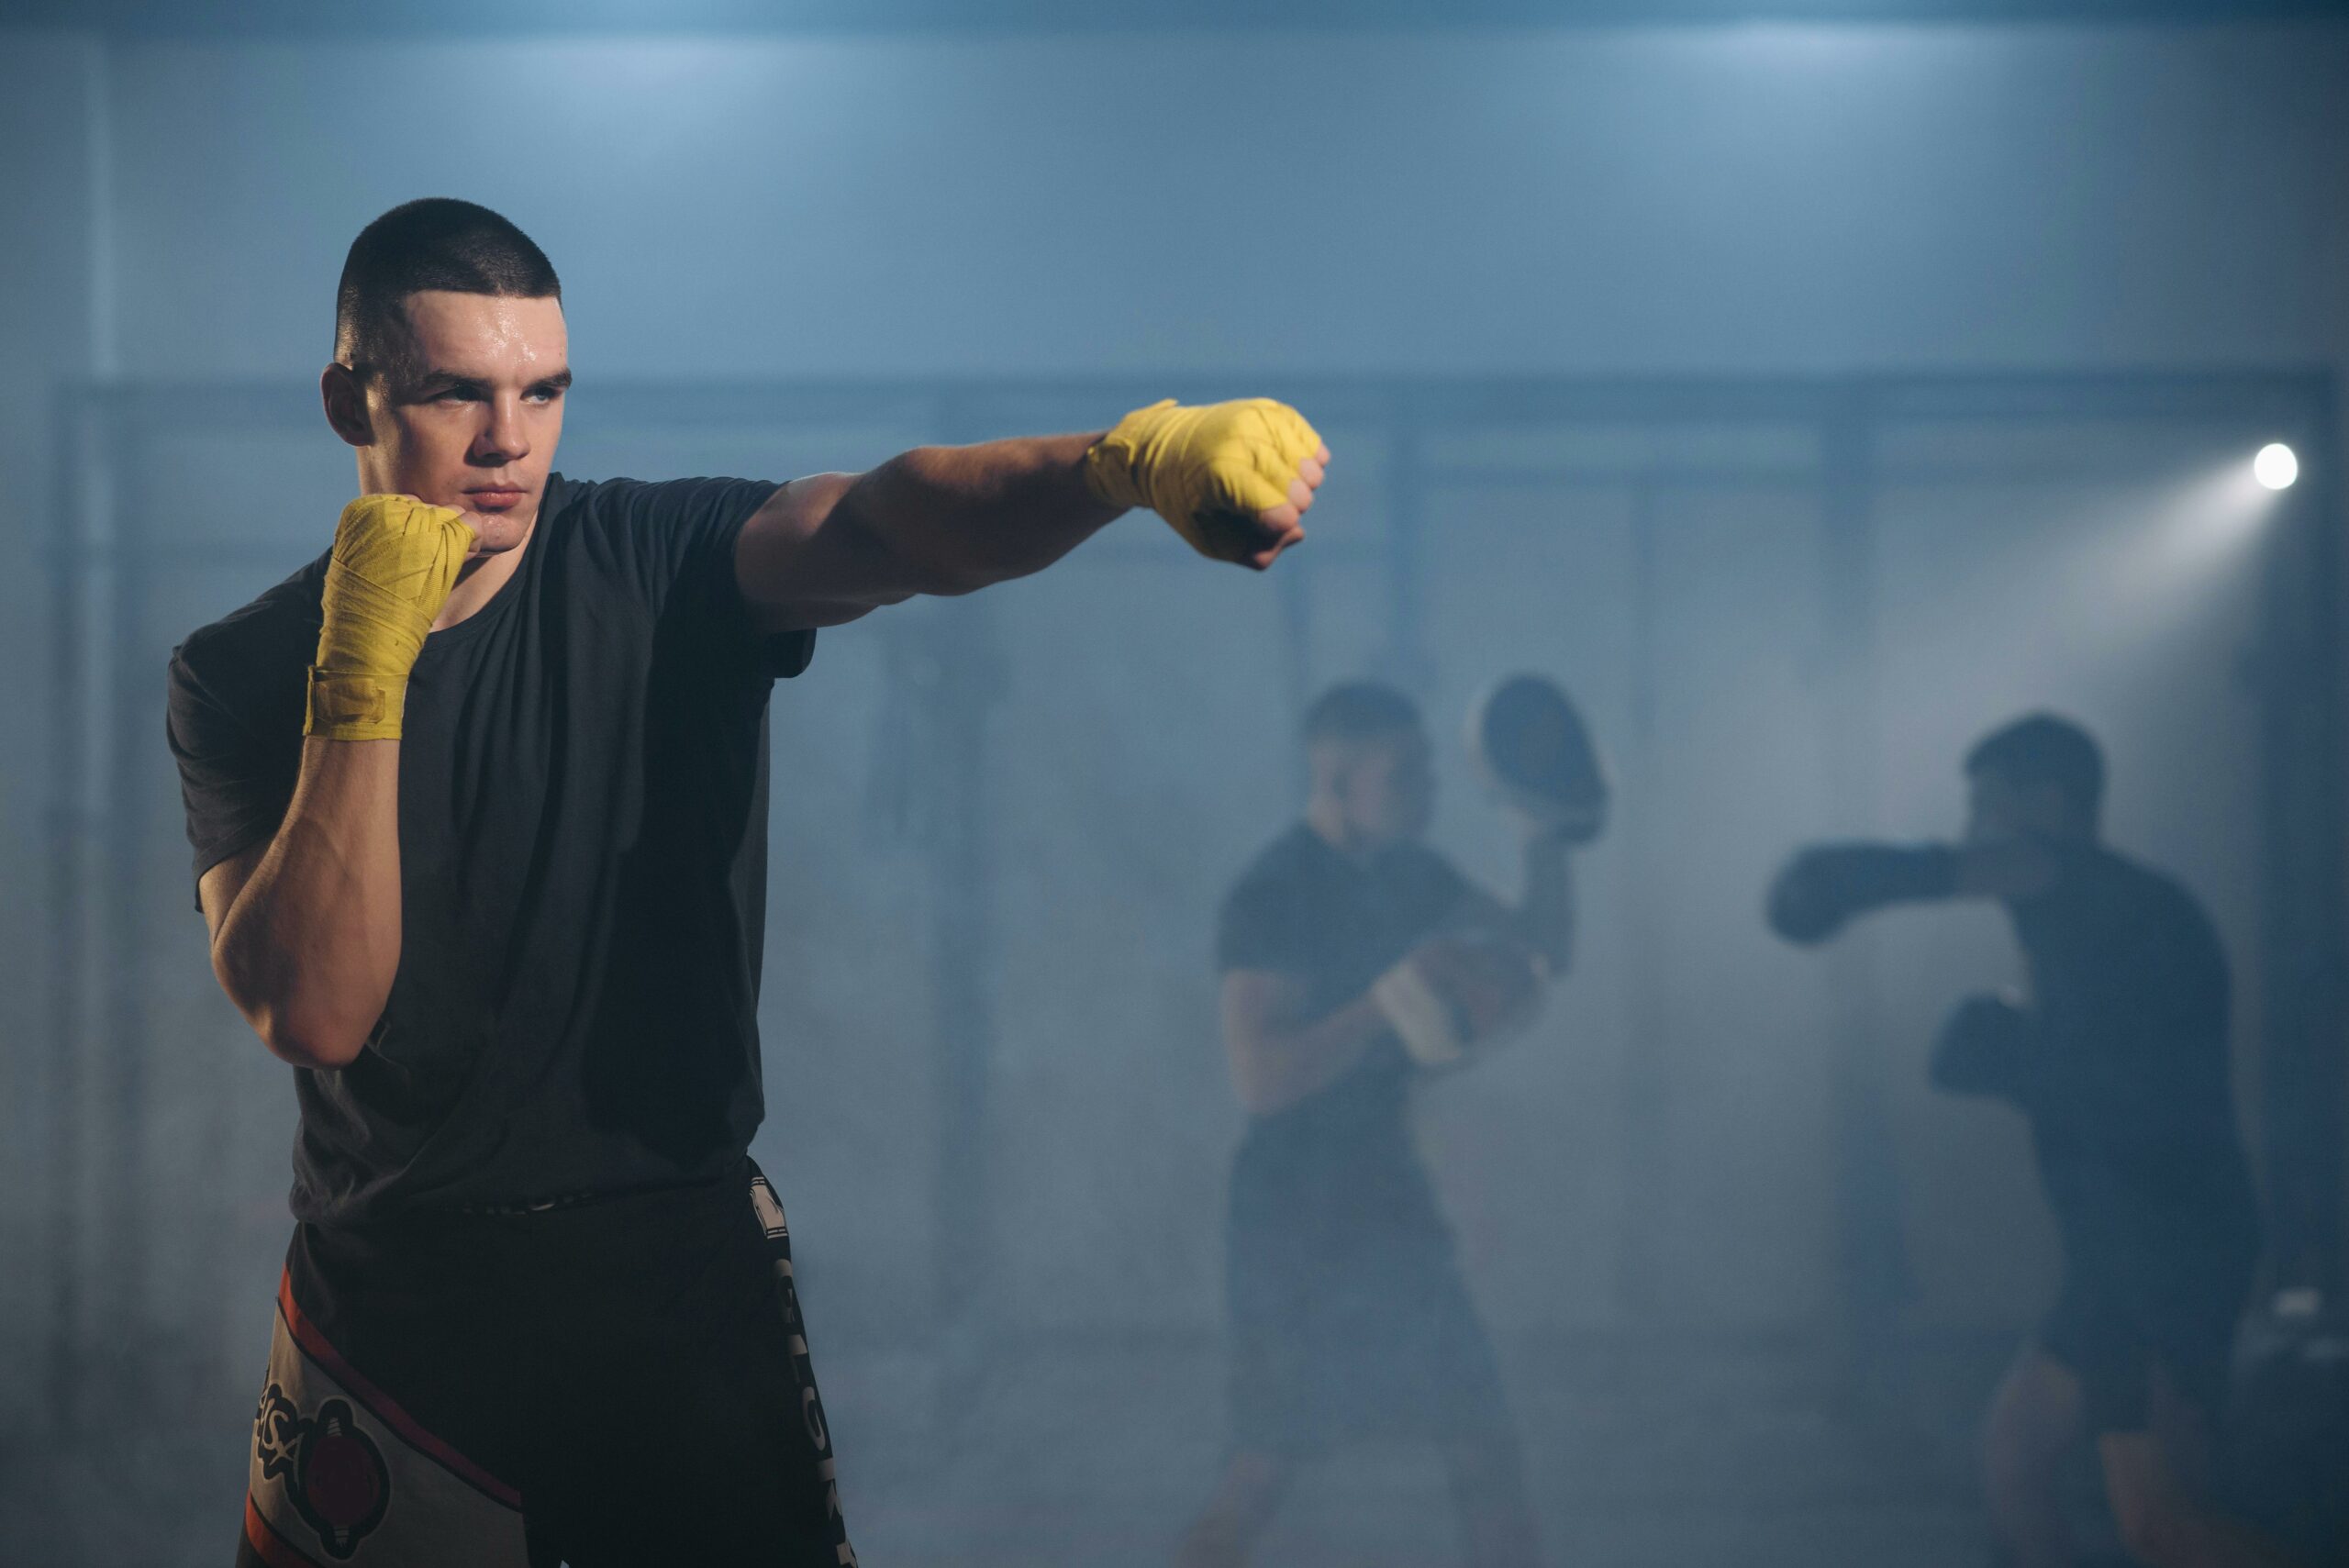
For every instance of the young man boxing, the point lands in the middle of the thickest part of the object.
(1356, 960)
(478, 801)
(2118, 1055)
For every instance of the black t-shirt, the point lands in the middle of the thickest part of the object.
(1336, 922)
(583, 818)
(2131, 1104)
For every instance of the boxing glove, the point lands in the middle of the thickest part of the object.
(1985, 1048)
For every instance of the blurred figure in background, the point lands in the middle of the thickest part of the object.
(1356, 959)
(2119, 1058)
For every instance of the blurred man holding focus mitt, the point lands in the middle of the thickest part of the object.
(478, 803)
(1356, 960)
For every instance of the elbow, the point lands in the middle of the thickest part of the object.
(951, 576)
(303, 1036)
(951, 584)
(1259, 1099)
(322, 1049)
(300, 1035)
(1261, 1090)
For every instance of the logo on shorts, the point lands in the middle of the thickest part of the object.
(333, 1472)
(769, 1209)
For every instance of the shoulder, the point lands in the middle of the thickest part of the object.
(248, 656)
(2158, 901)
(1292, 862)
(646, 538)
(1264, 917)
(2125, 877)
(654, 505)
(1424, 874)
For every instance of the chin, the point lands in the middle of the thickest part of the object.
(497, 535)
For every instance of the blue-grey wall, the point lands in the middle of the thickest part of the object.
(1750, 200)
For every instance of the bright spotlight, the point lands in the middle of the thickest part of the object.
(2276, 466)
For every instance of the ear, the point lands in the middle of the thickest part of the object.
(345, 400)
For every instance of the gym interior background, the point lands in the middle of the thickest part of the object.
(1806, 386)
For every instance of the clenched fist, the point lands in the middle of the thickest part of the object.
(1235, 479)
(394, 560)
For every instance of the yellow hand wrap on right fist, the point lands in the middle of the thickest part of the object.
(1201, 468)
(394, 560)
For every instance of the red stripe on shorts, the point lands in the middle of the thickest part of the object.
(382, 1405)
(273, 1548)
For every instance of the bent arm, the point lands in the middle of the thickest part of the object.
(1543, 917)
(934, 520)
(306, 930)
(1277, 1059)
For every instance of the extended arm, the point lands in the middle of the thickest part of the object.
(1825, 887)
(1235, 479)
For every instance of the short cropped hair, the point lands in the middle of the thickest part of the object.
(2043, 749)
(1358, 711)
(436, 243)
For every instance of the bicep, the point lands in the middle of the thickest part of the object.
(1257, 1002)
(802, 561)
(1259, 1006)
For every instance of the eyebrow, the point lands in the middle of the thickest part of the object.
(437, 382)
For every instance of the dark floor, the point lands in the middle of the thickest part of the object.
(1088, 1453)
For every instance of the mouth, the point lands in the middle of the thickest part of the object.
(495, 498)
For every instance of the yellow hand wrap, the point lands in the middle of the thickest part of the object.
(1193, 466)
(394, 560)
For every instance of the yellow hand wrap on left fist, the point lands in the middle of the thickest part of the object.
(1208, 470)
(394, 560)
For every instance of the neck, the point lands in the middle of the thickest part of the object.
(1328, 820)
(479, 580)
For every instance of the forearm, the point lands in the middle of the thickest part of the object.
(308, 949)
(1823, 888)
(1277, 1068)
(1546, 918)
(955, 519)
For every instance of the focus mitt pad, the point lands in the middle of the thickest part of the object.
(1534, 748)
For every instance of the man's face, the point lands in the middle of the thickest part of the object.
(1386, 784)
(2000, 810)
(472, 419)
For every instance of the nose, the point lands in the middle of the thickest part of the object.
(505, 439)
